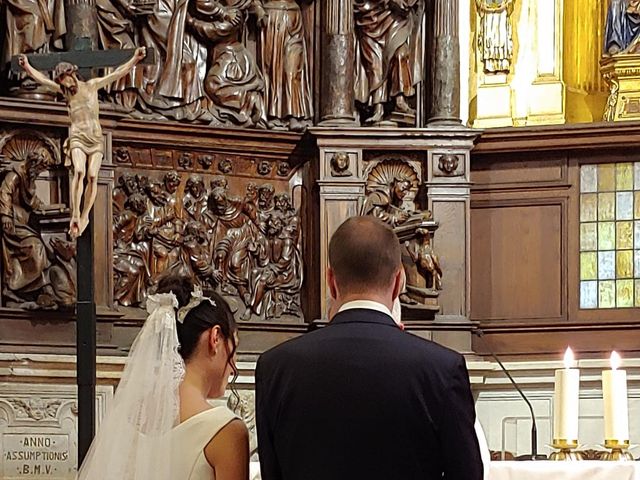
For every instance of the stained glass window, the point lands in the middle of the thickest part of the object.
(610, 235)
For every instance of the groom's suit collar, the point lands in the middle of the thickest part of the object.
(363, 311)
(365, 304)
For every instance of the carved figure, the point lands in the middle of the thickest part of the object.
(279, 271)
(198, 252)
(127, 186)
(391, 190)
(389, 56)
(266, 193)
(195, 198)
(131, 252)
(32, 27)
(62, 273)
(495, 37)
(233, 232)
(285, 65)
(84, 147)
(426, 260)
(162, 225)
(173, 87)
(388, 185)
(171, 181)
(622, 31)
(233, 81)
(28, 265)
(116, 28)
(24, 254)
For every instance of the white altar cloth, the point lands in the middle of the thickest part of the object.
(586, 470)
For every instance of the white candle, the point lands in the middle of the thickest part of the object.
(616, 410)
(566, 401)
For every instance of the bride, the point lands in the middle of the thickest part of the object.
(160, 425)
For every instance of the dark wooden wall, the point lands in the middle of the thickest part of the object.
(525, 277)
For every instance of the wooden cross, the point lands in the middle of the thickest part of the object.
(87, 62)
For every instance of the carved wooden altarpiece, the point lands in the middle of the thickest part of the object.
(213, 167)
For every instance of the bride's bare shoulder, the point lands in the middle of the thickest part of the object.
(228, 451)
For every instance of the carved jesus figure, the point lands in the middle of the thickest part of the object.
(84, 148)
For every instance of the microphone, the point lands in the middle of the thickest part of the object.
(534, 429)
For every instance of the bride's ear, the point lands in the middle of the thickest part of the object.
(215, 336)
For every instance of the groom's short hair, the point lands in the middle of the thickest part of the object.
(364, 254)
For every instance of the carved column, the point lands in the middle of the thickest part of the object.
(445, 106)
(337, 100)
(82, 25)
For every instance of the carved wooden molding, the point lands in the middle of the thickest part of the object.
(582, 136)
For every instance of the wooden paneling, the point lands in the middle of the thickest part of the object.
(509, 172)
(516, 261)
(525, 276)
(450, 214)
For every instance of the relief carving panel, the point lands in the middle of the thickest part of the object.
(231, 234)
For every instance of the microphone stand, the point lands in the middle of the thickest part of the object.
(534, 429)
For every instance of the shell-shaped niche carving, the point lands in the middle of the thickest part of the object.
(387, 172)
(16, 146)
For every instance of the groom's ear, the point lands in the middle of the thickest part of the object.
(331, 283)
(398, 283)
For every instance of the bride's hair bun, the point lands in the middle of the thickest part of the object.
(180, 285)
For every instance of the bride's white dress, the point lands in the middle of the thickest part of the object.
(191, 437)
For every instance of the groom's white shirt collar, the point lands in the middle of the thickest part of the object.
(366, 304)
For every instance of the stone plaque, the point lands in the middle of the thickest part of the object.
(38, 430)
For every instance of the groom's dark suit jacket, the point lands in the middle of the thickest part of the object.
(361, 399)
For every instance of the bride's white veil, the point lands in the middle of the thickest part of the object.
(134, 441)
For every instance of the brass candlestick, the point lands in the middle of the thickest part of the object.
(619, 451)
(566, 450)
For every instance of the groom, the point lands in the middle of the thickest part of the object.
(360, 398)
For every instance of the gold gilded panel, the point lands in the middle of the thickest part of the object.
(624, 264)
(624, 235)
(588, 178)
(606, 236)
(607, 294)
(588, 207)
(624, 293)
(606, 206)
(588, 236)
(606, 177)
(624, 176)
(588, 266)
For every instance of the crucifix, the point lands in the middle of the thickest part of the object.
(84, 150)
